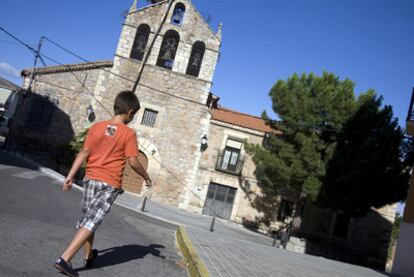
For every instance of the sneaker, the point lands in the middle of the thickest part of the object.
(88, 262)
(65, 267)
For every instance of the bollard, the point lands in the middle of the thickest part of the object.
(144, 202)
(212, 224)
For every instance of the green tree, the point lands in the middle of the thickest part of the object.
(316, 113)
(67, 152)
(372, 161)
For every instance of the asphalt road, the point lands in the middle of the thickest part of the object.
(37, 222)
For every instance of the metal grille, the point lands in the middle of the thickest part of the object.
(219, 201)
(149, 117)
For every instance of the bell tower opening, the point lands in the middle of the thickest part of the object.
(168, 49)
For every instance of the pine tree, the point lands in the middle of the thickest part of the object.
(317, 115)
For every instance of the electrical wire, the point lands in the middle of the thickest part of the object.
(123, 77)
(163, 166)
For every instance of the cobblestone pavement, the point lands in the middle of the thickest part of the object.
(234, 251)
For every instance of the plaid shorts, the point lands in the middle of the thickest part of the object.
(96, 203)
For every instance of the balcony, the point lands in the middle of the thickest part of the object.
(227, 166)
(410, 117)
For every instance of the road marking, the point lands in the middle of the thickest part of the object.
(28, 175)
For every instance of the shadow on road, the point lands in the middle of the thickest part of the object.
(8, 160)
(123, 254)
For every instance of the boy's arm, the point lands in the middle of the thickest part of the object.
(80, 159)
(139, 169)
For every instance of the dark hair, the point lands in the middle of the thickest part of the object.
(125, 101)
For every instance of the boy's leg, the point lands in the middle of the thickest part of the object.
(88, 246)
(81, 236)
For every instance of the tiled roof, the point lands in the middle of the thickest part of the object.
(68, 67)
(241, 120)
(7, 84)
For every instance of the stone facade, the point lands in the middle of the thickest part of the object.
(183, 174)
(65, 95)
(245, 183)
(172, 145)
(363, 241)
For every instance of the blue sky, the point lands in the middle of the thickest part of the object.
(368, 41)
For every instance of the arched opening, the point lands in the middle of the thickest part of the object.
(168, 49)
(131, 181)
(178, 14)
(196, 58)
(140, 42)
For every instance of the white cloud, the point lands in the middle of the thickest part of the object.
(7, 69)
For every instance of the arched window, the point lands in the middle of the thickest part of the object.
(168, 49)
(196, 58)
(178, 14)
(140, 42)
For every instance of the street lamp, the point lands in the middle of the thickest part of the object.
(204, 143)
(91, 114)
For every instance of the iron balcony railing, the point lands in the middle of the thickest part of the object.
(410, 116)
(226, 166)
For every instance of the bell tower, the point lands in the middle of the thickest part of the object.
(175, 52)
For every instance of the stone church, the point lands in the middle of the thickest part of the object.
(191, 146)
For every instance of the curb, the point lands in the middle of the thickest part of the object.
(196, 266)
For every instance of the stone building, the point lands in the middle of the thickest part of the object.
(403, 264)
(173, 52)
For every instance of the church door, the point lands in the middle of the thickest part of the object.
(131, 181)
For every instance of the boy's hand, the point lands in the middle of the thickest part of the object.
(148, 183)
(67, 184)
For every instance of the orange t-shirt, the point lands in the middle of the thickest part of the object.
(109, 145)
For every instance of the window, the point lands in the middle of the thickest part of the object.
(140, 42)
(230, 160)
(285, 210)
(231, 155)
(341, 226)
(168, 49)
(149, 117)
(178, 14)
(40, 115)
(196, 58)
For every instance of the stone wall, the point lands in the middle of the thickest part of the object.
(245, 205)
(192, 29)
(67, 96)
(367, 237)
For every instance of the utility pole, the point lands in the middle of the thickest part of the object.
(37, 56)
(147, 54)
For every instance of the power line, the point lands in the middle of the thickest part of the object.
(123, 77)
(163, 166)
(18, 40)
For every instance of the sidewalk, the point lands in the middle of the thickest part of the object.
(234, 251)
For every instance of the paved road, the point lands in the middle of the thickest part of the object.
(37, 222)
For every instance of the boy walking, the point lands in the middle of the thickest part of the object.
(107, 147)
